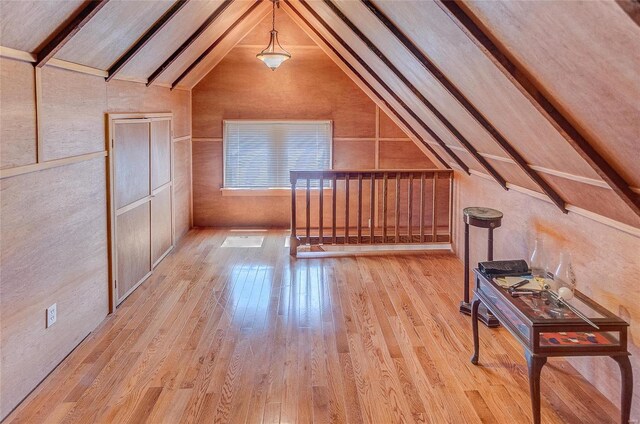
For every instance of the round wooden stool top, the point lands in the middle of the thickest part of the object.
(482, 217)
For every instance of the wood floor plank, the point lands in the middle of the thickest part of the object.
(250, 335)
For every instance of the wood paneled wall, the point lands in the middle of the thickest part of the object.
(606, 261)
(53, 238)
(309, 86)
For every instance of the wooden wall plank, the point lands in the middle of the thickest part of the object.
(199, 45)
(53, 251)
(356, 154)
(554, 41)
(17, 114)
(125, 96)
(28, 24)
(73, 107)
(169, 39)
(601, 201)
(577, 139)
(463, 63)
(69, 30)
(388, 128)
(235, 25)
(157, 27)
(402, 155)
(182, 186)
(112, 31)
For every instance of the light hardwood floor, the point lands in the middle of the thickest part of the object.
(250, 335)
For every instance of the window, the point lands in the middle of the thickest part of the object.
(260, 154)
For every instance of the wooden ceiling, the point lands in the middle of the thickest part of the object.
(537, 96)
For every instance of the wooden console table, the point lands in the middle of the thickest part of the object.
(544, 332)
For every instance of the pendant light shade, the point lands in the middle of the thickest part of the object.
(274, 54)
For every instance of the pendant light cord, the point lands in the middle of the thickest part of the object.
(273, 16)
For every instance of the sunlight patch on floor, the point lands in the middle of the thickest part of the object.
(243, 241)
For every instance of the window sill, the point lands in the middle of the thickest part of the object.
(265, 192)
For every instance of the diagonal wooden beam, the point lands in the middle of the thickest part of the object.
(215, 43)
(631, 8)
(151, 32)
(452, 129)
(397, 98)
(175, 55)
(469, 107)
(580, 141)
(65, 34)
(368, 85)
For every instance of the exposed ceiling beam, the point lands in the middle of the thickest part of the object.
(452, 129)
(469, 107)
(151, 32)
(380, 81)
(66, 34)
(368, 85)
(631, 8)
(225, 4)
(215, 43)
(483, 38)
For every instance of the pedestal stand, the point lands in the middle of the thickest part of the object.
(482, 218)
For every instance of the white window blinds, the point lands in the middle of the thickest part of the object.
(260, 154)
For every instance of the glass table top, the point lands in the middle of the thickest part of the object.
(543, 307)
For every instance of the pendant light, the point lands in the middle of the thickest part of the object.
(274, 54)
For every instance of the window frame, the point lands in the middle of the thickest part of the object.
(266, 191)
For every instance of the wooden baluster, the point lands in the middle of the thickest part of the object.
(398, 207)
(293, 240)
(359, 207)
(434, 209)
(346, 208)
(321, 213)
(334, 191)
(422, 207)
(308, 210)
(450, 207)
(384, 207)
(410, 205)
(372, 208)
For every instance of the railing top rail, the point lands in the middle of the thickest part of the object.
(366, 173)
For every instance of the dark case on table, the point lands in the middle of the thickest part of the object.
(504, 268)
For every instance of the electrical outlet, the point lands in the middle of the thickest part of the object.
(52, 314)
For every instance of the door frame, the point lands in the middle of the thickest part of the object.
(112, 120)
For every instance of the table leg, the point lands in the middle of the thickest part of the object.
(535, 364)
(490, 245)
(466, 263)
(627, 387)
(474, 324)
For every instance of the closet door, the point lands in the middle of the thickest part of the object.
(161, 186)
(131, 156)
(141, 198)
